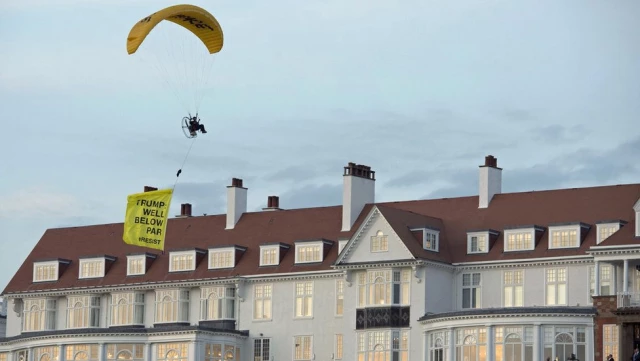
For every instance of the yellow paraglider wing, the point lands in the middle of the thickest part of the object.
(197, 20)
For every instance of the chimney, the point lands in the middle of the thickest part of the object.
(358, 189)
(236, 202)
(273, 204)
(490, 182)
(185, 210)
(149, 189)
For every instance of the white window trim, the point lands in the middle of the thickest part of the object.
(307, 244)
(429, 231)
(88, 307)
(599, 227)
(566, 282)
(312, 296)
(576, 228)
(475, 234)
(636, 207)
(179, 253)
(135, 258)
(90, 260)
(213, 251)
(277, 248)
(312, 355)
(138, 308)
(183, 302)
(471, 286)
(254, 300)
(335, 304)
(338, 355)
(509, 232)
(341, 244)
(513, 285)
(379, 250)
(46, 263)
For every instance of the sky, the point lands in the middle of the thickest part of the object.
(419, 90)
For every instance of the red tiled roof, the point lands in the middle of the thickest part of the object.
(452, 216)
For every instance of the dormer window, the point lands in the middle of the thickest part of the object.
(271, 254)
(521, 238)
(567, 235)
(224, 257)
(47, 271)
(430, 238)
(311, 251)
(94, 267)
(478, 242)
(379, 242)
(181, 261)
(607, 228)
(137, 264)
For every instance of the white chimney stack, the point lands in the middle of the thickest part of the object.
(358, 190)
(490, 181)
(236, 202)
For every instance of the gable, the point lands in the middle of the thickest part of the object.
(375, 241)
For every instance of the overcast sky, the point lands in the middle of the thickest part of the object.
(419, 90)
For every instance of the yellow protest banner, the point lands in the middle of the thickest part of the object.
(146, 218)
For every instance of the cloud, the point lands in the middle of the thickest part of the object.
(39, 202)
(556, 133)
(581, 168)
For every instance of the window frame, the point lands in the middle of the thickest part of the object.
(46, 264)
(99, 260)
(262, 300)
(470, 236)
(182, 303)
(600, 227)
(553, 229)
(516, 231)
(513, 285)
(226, 300)
(264, 248)
(181, 253)
(138, 257)
(310, 342)
(136, 308)
(304, 296)
(225, 250)
(556, 283)
(367, 289)
(471, 287)
(379, 238)
(299, 246)
(262, 347)
(339, 299)
(90, 312)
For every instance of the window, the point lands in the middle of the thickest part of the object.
(605, 230)
(269, 255)
(430, 241)
(262, 302)
(309, 253)
(472, 343)
(518, 240)
(606, 278)
(561, 342)
(173, 351)
(39, 315)
(564, 237)
(221, 258)
(610, 340)
(514, 343)
(303, 349)
(45, 271)
(217, 303)
(304, 299)
(136, 265)
(439, 346)
(379, 242)
(513, 288)
(127, 309)
(221, 352)
(85, 352)
(338, 350)
(384, 287)
(477, 242)
(125, 351)
(83, 311)
(22, 355)
(3, 356)
(341, 244)
(556, 282)
(182, 261)
(261, 349)
(383, 345)
(339, 297)
(46, 353)
(471, 290)
(172, 306)
(92, 268)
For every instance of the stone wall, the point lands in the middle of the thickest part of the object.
(606, 306)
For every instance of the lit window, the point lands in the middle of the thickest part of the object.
(556, 282)
(430, 241)
(379, 242)
(125, 351)
(136, 265)
(339, 297)
(269, 256)
(262, 302)
(172, 306)
(606, 230)
(218, 303)
(477, 242)
(304, 299)
(127, 309)
(303, 348)
(308, 253)
(384, 287)
(338, 350)
(513, 288)
(92, 268)
(39, 315)
(83, 311)
(519, 241)
(564, 237)
(173, 351)
(221, 258)
(182, 261)
(45, 271)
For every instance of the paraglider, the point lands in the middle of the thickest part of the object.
(192, 62)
